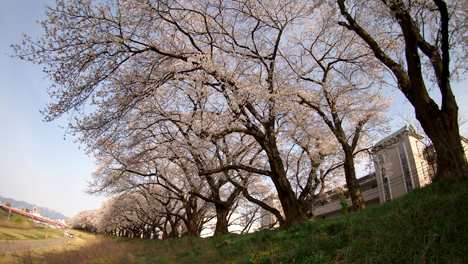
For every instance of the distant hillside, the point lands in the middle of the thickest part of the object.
(46, 212)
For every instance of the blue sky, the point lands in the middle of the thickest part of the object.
(37, 164)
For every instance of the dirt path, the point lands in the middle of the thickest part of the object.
(10, 246)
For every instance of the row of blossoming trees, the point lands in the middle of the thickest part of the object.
(144, 215)
(201, 104)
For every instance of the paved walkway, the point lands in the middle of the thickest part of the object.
(10, 246)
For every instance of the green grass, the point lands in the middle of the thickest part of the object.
(3, 214)
(429, 225)
(19, 219)
(11, 233)
(21, 234)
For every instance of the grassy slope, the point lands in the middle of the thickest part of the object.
(69, 254)
(21, 227)
(3, 214)
(19, 234)
(428, 225)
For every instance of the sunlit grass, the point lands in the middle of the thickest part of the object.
(7, 233)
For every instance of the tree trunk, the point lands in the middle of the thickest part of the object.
(192, 228)
(221, 220)
(293, 211)
(442, 128)
(352, 182)
(174, 233)
(441, 125)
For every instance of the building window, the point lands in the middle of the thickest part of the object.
(381, 159)
(386, 186)
(406, 168)
(423, 171)
(385, 183)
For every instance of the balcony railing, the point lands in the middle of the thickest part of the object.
(336, 206)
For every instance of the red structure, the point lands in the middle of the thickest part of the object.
(32, 216)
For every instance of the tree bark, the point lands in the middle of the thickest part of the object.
(293, 211)
(442, 128)
(352, 182)
(221, 220)
(174, 232)
(192, 230)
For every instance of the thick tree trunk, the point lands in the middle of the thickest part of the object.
(174, 230)
(292, 208)
(173, 234)
(293, 211)
(192, 228)
(442, 128)
(441, 125)
(352, 182)
(221, 220)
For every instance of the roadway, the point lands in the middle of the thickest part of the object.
(11, 246)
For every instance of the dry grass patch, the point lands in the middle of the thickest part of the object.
(23, 225)
(85, 248)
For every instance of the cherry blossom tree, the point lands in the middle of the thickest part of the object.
(341, 83)
(85, 220)
(173, 194)
(164, 138)
(168, 81)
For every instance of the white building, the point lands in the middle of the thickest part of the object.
(399, 165)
